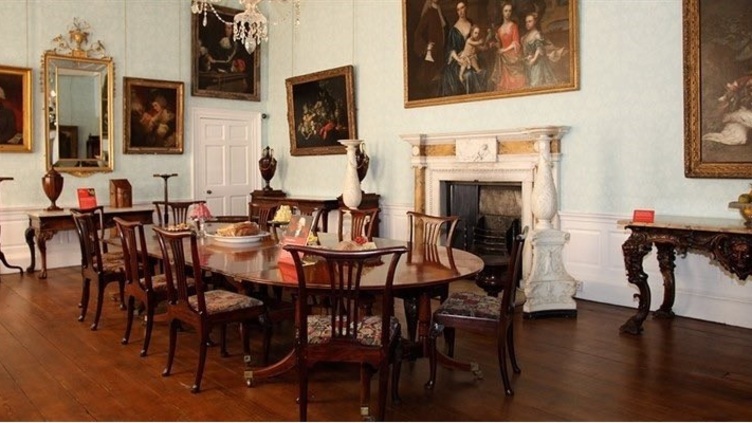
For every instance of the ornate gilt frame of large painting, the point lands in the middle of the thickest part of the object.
(153, 118)
(531, 50)
(321, 111)
(717, 89)
(220, 66)
(15, 109)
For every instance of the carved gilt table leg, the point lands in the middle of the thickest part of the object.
(29, 234)
(666, 258)
(41, 237)
(635, 248)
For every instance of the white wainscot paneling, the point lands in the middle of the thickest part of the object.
(704, 290)
(394, 221)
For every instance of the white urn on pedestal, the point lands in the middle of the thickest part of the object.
(549, 289)
(351, 192)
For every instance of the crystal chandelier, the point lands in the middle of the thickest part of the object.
(250, 26)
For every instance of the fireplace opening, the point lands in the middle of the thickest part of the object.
(490, 215)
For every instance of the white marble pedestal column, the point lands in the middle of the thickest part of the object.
(549, 289)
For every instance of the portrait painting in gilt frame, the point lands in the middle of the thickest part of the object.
(153, 118)
(717, 89)
(462, 50)
(220, 66)
(321, 111)
(15, 109)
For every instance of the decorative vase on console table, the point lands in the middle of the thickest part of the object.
(267, 167)
(52, 183)
(351, 192)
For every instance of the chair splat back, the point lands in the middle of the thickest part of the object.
(362, 222)
(174, 256)
(344, 335)
(432, 227)
(261, 213)
(91, 252)
(135, 253)
(177, 209)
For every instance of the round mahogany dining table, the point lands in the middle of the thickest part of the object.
(423, 266)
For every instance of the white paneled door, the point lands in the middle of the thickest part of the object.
(227, 149)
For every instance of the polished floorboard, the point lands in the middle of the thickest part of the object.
(54, 368)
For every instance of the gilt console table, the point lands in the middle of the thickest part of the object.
(728, 241)
(43, 225)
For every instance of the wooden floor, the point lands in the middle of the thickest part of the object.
(54, 368)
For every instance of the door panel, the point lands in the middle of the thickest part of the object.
(228, 147)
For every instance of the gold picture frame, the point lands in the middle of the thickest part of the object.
(15, 110)
(717, 142)
(220, 66)
(321, 111)
(504, 59)
(153, 117)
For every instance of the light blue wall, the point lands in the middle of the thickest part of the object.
(625, 149)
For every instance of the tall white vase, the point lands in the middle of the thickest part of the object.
(351, 193)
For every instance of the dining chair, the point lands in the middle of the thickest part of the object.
(428, 230)
(344, 335)
(141, 282)
(177, 209)
(478, 312)
(261, 213)
(205, 309)
(96, 265)
(362, 222)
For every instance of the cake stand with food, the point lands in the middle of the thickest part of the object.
(239, 233)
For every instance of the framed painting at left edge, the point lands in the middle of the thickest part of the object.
(15, 109)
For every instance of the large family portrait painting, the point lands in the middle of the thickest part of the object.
(718, 88)
(466, 50)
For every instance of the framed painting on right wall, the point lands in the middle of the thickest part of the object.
(717, 89)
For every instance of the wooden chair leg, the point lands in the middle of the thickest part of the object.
(502, 352)
(100, 299)
(303, 391)
(410, 305)
(84, 305)
(510, 347)
(449, 334)
(383, 388)
(128, 320)
(150, 306)
(432, 358)
(202, 359)
(222, 341)
(174, 325)
(366, 373)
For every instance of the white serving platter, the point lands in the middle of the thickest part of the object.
(250, 239)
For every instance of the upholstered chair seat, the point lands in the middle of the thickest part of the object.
(368, 329)
(220, 301)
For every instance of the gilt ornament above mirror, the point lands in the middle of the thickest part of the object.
(78, 87)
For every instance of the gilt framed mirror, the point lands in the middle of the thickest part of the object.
(78, 95)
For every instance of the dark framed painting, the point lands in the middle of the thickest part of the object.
(458, 51)
(15, 109)
(321, 111)
(221, 67)
(717, 89)
(153, 116)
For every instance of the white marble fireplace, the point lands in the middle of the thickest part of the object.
(512, 156)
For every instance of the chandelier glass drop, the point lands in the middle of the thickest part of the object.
(250, 26)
